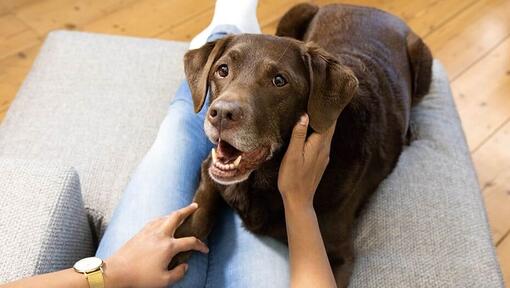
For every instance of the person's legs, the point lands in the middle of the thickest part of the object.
(167, 177)
(164, 181)
(238, 258)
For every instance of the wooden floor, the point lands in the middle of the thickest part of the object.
(471, 38)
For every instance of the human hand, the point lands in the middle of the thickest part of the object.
(303, 164)
(143, 260)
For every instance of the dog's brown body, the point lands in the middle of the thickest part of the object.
(392, 69)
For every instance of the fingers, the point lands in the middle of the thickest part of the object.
(176, 274)
(189, 243)
(297, 140)
(328, 134)
(319, 141)
(176, 218)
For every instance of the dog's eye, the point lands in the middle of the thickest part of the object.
(223, 70)
(279, 81)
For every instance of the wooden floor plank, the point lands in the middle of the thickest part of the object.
(17, 65)
(471, 35)
(3, 10)
(11, 5)
(481, 95)
(150, 17)
(186, 30)
(46, 15)
(13, 70)
(435, 15)
(503, 252)
(15, 36)
(497, 201)
(492, 158)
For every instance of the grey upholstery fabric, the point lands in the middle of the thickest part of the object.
(95, 102)
(426, 225)
(43, 224)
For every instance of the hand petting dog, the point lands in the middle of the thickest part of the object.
(300, 173)
(143, 260)
(303, 164)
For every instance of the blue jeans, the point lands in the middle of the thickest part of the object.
(165, 181)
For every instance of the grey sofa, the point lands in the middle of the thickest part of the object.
(90, 109)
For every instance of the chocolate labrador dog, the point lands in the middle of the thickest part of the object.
(359, 65)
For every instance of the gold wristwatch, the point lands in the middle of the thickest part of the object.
(92, 268)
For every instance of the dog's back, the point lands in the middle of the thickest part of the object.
(369, 32)
(393, 67)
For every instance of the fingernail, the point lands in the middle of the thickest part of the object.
(303, 120)
(185, 267)
(194, 204)
(205, 249)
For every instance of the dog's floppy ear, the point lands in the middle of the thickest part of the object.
(332, 86)
(197, 66)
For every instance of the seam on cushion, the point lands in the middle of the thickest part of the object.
(68, 175)
(95, 223)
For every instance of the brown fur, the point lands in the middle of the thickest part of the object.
(365, 67)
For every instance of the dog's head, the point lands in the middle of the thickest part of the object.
(259, 86)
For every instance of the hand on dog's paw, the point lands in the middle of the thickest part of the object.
(180, 258)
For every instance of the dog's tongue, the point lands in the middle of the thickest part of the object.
(226, 152)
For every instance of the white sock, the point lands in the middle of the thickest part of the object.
(240, 13)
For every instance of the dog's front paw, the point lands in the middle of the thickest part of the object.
(180, 258)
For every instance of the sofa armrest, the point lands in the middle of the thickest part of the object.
(43, 224)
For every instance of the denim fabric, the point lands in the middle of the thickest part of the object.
(166, 180)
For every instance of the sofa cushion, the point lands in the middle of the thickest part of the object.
(426, 225)
(43, 224)
(93, 102)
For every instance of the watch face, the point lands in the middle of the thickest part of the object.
(86, 265)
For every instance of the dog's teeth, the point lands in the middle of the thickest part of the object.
(213, 152)
(237, 161)
(217, 163)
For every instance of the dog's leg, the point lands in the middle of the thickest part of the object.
(295, 22)
(201, 222)
(420, 60)
(343, 263)
(336, 230)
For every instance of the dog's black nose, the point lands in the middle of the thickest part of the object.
(225, 114)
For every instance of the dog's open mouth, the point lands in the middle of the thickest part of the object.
(230, 165)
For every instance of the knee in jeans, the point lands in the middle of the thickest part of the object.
(181, 114)
(180, 120)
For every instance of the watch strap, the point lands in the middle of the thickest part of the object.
(96, 279)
